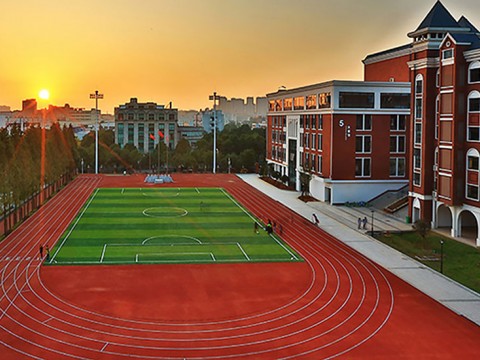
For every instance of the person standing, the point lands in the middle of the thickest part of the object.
(365, 221)
(48, 252)
(41, 251)
(269, 228)
(315, 219)
(359, 223)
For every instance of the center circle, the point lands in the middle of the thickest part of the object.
(161, 212)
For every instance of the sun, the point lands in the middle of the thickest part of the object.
(44, 94)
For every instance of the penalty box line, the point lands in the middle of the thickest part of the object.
(180, 253)
(102, 257)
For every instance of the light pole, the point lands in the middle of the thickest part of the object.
(214, 98)
(441, 256)
(372, 222)
(96, 96)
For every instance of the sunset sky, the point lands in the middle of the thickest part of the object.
(183, 50)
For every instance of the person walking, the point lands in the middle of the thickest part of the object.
(269, 228)
(48, 252)
(315, 219)
(365, 221)
(359, 223)
(41, 251)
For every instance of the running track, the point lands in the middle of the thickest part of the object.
(337, 304)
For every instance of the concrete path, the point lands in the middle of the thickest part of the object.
(341, 222)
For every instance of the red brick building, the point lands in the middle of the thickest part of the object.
(351, 136)
(354, 152)
(445, 133)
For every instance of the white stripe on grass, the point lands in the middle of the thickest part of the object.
(103, 253)
(251, 217)
(73, 227)
(243, 251)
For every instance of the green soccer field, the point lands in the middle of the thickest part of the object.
(170, 225)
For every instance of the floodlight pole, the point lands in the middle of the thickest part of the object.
(214, 98)
(96, 96)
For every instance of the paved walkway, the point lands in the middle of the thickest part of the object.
(341, 222)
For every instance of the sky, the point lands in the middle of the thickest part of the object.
(184, 50)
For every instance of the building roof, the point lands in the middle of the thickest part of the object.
(438, 17)
(390, 53)
(465, 23)
(468, 39)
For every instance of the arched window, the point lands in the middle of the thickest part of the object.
(474, 72)
(472, 175)
(473, 117)
(419, 84)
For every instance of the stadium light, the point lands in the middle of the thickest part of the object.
(96, 96)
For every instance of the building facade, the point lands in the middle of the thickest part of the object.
(350, 136)
(445, 74)
(143, 124)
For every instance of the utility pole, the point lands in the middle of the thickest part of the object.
(214, 98)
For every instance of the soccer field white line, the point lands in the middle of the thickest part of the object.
(243, 251)
(137, 256)
(73, 227)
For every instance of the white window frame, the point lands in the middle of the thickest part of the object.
(397, 161)
(397, 143)
(474, 154)
(473, 66)
(472, 95)
(363, 150)
(363, 160)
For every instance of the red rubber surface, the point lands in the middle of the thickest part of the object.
(335, 305)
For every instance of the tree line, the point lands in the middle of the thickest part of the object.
(36, 162)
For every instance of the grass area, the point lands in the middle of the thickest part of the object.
(460, 262)
(170, 225)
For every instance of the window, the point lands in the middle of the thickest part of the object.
(437, 115)
(447, 54)
(120, 130)
(419, 85)
(299, 103)
(271, 105)
(311, 102)
(362, 167)
(363, 144)
(473, 118)
(141, 137)
(418, 109)
(313, 119)
(397, 144)
(287, 104)
(437, 79)
(320, 161)
(319, 142)
(395, 100)
(320, 122)
(417, 158)
(472, 187)
(278, 105)
(352, 100)
(474, 72)
(418, 134)
(364, 122)
(474, 101)
(151, 131)
(130, 133)
(398, 122)
(472, 163)
(324, 100)
(397, 166)
(416, 178)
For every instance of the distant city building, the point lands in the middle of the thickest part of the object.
(207, 120)
(239, 110)
(4, 108)
(190, 133)
(143, 124)
(351, 136)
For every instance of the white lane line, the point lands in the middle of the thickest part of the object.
(104, 347)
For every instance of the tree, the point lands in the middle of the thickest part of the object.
(422, 227)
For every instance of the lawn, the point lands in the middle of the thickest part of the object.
(460, 262)
(170, 225)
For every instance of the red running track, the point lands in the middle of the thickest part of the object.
(337, 304)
